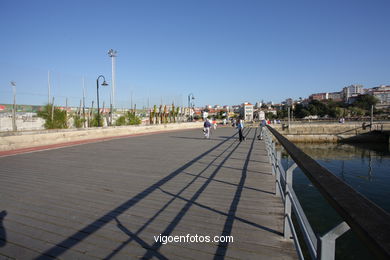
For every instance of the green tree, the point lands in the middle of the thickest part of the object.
(221, 115)
(54, 117)
(270, 115)
(303, 113)
(161, 114)
(282, 113)
(120, 121)
(165, 115)
(339, 112)
(300, 111)
(356, 111)
(95, 120)
(78, 121)
(365, 102)
(155, 114)
(172, 114)
(132, 119)
(177, 113)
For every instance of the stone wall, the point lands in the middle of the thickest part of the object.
(18, 140)
(23, 123)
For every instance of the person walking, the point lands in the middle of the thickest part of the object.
(215, 124)
(206, 128)
(263, 123)
(240, 127)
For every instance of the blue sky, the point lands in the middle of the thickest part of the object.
(224, 52)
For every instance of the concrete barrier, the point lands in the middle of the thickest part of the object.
(325, 133)
(18, 140)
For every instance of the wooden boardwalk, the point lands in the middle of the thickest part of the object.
(109, 200)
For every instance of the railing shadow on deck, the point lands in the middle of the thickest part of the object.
(152, 250)
(228, 226)
(189, 203)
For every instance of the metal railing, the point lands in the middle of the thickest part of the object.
(368, 221)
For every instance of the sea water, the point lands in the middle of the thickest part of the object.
(365, 167)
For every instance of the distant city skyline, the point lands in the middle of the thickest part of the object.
(224, 52)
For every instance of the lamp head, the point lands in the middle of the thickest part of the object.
(112, 53)
(104, 83)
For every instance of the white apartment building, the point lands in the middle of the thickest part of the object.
(246, 111)
(382, 93)
(352, 91)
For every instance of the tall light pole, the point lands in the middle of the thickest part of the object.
(84, 103)
(48, 87)
(97, 90)
(191, 103)
(14, 107)
(112, 54)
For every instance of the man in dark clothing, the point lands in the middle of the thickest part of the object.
(262, 125)
(240, 127)
(206, 129)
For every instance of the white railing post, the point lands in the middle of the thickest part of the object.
(327, 243)
(287, 203)
(277, 171)
(269, 148)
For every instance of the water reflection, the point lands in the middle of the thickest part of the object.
(344, 151)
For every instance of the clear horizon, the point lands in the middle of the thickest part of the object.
(224, 52)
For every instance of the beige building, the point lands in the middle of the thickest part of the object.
(246, 111)
(351, 91)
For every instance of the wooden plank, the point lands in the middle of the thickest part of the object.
(109, 199)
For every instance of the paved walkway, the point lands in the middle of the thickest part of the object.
(109, 200)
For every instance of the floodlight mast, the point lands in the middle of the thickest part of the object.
(14, 128)
(113, 53)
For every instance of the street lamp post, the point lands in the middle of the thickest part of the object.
(97, 90)
(14, 107)
(191, 103)
(289, 116)
(85, 122)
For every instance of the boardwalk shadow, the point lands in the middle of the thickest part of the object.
(3, 233)
(132, 236)
(189, 203)
(228, 226)
(152, 251)
(232, 184)
(234, 168)
(225, 214)
(91, 228)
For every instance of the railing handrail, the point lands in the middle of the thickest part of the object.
(369, 222)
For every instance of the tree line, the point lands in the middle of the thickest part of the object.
(330, 109)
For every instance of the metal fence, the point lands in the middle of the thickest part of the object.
(368, 221)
